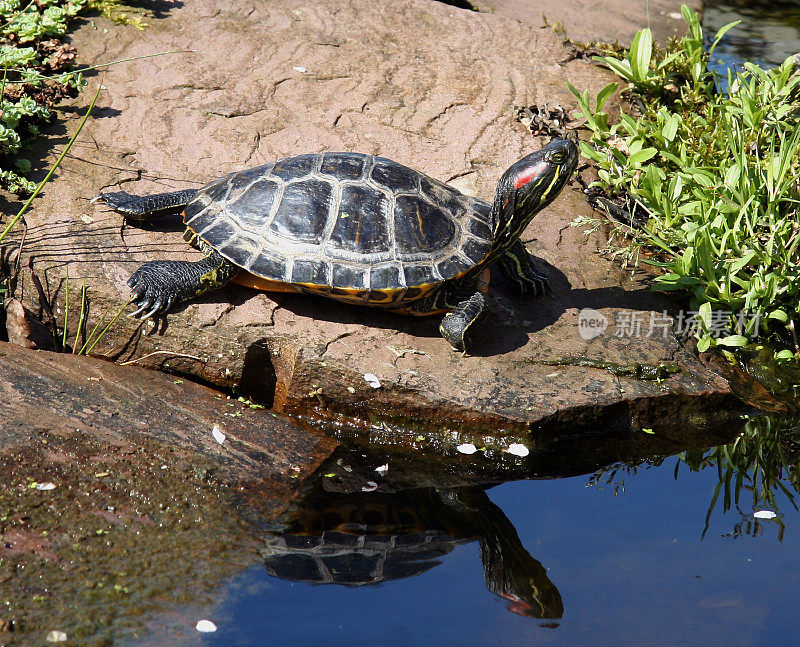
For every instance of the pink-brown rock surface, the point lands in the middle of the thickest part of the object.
(420, 82)
(62, 395)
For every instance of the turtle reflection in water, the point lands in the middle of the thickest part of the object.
(368, 538)
(354, 228)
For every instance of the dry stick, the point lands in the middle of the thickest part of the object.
(81, 318)
(160, 352)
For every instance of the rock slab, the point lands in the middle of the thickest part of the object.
(428, 85)
(65, 395)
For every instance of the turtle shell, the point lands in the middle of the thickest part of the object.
(351, 226)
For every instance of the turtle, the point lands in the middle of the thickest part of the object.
(353, 227)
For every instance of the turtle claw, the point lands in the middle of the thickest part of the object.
(143, 306)
(152, 290)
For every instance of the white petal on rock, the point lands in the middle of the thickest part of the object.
(300, 68)
(218, 435)
(56, 637)
(382, 469)
(205, 626)
(764, 514)
(467, 448)
(45, 486)
(369, 486)
(372, 380)
(518, 449)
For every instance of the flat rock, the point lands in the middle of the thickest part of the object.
(57, 394)
(420, 82)
(608, 21)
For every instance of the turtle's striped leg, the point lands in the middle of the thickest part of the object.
(157, 285)
(518, 268)
(147, 206)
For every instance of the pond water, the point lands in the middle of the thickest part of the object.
(636, 553)
(768, 34)
(698, 547)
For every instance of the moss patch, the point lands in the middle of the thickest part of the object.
(96, 537)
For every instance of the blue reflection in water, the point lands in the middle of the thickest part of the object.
(630, 569)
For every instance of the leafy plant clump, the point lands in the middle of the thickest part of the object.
(37, 71)
(710, 183)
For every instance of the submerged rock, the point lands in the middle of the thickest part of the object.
(425, 84)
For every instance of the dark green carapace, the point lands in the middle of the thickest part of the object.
(356, 228)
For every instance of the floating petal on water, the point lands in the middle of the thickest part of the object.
(467, 448)
(764, 514)
(205, 626)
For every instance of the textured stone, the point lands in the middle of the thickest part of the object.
(420, 82)
(68, 395)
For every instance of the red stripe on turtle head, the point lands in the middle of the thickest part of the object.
(528, 174)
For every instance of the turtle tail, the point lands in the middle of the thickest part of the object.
(147, 206)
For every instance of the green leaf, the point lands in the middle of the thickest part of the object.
(736, 266)
(640, 54)
(604, 94)
(704, 314)
(642, 156)
(670, 128)
(780, 315)
(720, 34)
(733, 340)
(785, 354)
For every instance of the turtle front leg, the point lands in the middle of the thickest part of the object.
(145, 207)
(158, 285)
(465, 312)
(518, 267)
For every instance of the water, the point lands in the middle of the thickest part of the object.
(628, 555)
(768, 34)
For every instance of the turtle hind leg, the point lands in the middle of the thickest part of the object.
(518, 267)
(158, 285)
(147, 206)
(456, 323)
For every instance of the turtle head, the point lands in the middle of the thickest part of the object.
(528, 186)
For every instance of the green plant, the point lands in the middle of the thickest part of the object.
(713, 180)
(37, 72)
(93, 338)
